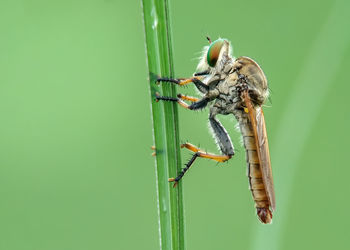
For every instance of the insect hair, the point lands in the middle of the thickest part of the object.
(211, 131)
(203, 64)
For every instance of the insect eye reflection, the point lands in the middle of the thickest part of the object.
(214, 52)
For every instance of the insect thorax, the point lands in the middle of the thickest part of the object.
(227, 94)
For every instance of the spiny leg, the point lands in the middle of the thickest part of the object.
(197, 153)
(178, 81)
(222, 139)
(202, 154)
(184, 170)
(198, 104)
(202, 87)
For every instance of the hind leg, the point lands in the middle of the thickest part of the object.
(222, 139)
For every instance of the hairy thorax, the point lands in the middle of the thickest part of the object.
(229, 84)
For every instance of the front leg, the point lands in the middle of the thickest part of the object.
(202, 87)
(178, 81)
(202, 73)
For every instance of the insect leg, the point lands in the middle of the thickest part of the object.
(199, 104)
(224, 142)
(202, 87)
(202, 154)
(222, 137)
(184, 170)
(178, 81)
(188, 98)
(197, 153)
(206, 72)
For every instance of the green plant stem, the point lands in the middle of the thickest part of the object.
(165, 124)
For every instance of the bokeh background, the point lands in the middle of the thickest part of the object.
(76, 170)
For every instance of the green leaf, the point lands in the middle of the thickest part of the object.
(165, 124)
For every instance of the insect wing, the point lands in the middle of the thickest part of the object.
(256, 117)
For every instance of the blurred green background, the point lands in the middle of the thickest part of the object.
(76, 170)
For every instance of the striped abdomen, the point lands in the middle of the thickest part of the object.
(255, 177)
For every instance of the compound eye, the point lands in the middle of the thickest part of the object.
(214, 52)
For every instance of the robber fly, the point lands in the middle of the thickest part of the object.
(238, 87)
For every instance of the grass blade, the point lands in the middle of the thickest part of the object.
(165, 124)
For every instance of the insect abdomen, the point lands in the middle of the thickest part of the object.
(256, 183)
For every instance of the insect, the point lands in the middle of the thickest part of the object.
(238, 87)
